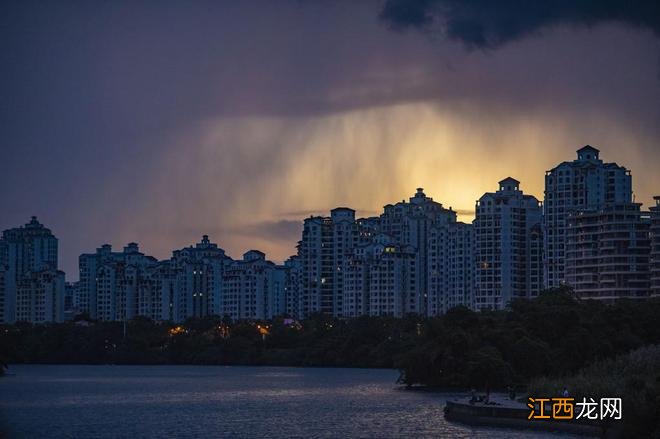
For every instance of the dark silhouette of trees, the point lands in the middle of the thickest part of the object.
(552, 336)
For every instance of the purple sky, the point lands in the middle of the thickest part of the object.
(158, 122)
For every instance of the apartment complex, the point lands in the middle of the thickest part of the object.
(582, 184)
(450, 272)
(413, 258)
(655, 247)
(316, 258)
(409, 224)
(115, 285)
(379, 279)
(506, 226)
(198, 272)
(250, 290)
(607, 252)
(40, 297)
(197, 281)
(31, 285)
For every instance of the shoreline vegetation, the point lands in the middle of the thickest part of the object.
(537, 346)
(634, 377)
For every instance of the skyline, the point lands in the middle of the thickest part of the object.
(414, 258)
(462, 216)
(287, 218)
(289, 227)
(158, 125)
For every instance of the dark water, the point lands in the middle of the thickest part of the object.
(200, 401)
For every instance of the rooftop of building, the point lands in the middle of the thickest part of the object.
(30, 228)
(587, 157)
(253, 254)
(509, 180)
(588, 148)
(342, 208)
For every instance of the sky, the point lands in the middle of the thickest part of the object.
(160, 121)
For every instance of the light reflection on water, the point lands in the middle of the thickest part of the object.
(209, 401)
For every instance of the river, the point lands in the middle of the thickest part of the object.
(40, 401)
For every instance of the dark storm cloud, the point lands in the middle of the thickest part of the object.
(490, 24)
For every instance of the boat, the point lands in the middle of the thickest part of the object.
(515, 415)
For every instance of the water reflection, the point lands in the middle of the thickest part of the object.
(194, 401)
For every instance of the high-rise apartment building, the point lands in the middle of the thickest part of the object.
(200, 270)
(276, 295)
(123, 285)
(655, 247)
(451, 267)
(40, 297)
(316, 258)
(409, 224)
(379, 278)
(584, 184)
(3, 291)
(196, 282)
(344, 240)
(88, 263)
(168, 304)
(535, 261)
(248, 285)
(504, 227)
(323, 250)
(392, 280)
(292, 286)
(112, 285)
(356, 282)
(69, 296)
(24, 253)
(607, 252)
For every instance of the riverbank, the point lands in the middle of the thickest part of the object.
(548, 336)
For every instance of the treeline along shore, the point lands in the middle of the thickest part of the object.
(548, 342)
(551, 336)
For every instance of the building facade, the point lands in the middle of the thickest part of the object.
(111, 284)
(344, 240)
(356, 282)
(248, 286)
(316, 258)
(3, 292)
(409, 224)
(379, 279)
(293, 275)
(26, 252)
(504, 229)
(199, 269)
(451, 267)
(584, 184)
(40, 297)
(120, 284)
(392, 279)
(655, 247)
(607, 252)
